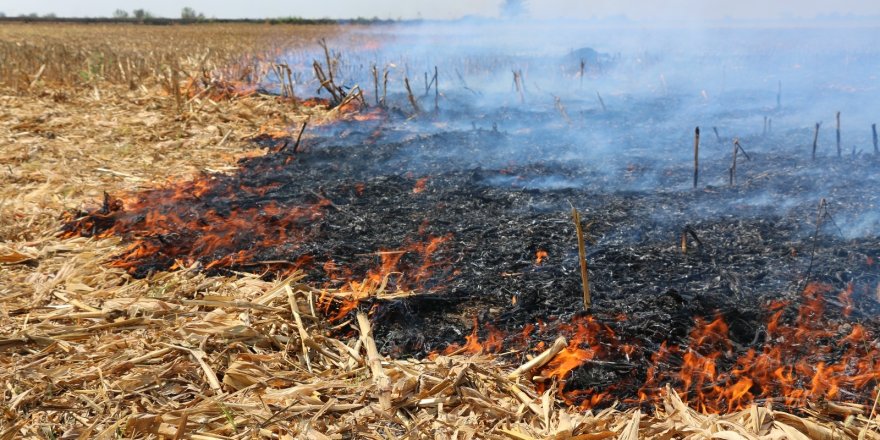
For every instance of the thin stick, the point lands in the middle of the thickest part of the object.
(561, 109)
(384, 87)
(326, 83)
(436, 90)
(820, 214)
(601, 101)
(290, 80)
(518, 83)
(376, 84)
(696, 156)
(816, 139)
(765, 127)
(743, 151)
(412, 99)
(582, 254)
(280, 78)
(38, 75)
(874, 138)
(323, 44)
(838, 134)
(733, 165)
(873, 411)
(717, 136)
(300, 135)
(464, 83)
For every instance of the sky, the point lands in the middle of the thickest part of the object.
(640, 10)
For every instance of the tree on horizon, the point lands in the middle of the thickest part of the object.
(142, 14)
(514, 8)
(190, 14)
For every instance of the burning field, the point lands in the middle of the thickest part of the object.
(401, 257)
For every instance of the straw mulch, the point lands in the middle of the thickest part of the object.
(88, 352)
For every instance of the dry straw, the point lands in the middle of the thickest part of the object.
(88, 352)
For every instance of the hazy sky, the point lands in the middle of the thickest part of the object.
(634, 9)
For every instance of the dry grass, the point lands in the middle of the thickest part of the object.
(87, 352)
(135, 55)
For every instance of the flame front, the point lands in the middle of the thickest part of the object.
(810, 360)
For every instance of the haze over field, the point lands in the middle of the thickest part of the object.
(641, 10)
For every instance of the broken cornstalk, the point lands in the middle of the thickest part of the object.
(839, 152)
(518, 84)
(816, 139)
(283, 72)
(436, 90)
(323, 44)
(874, 138)
(696, 156)
(326, 83)
(375, 84)
(561, 109)
(601, 102)
(300, 135)
(539, 360)
(384, 87)
(582, 256)
(737, 148)
(412, 98)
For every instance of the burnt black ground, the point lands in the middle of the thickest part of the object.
(505, 194)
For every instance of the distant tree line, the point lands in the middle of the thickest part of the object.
(190, 15)
(187, 14)
(48, 16)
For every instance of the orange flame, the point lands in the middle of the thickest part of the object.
(391, 274)
(795, 364)
(540, 256)
(492, 344)
(374, 114)
(807, 360)
(420, 185)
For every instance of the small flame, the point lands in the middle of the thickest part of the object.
(420, 185)
(492, 344)
(540, 256)
(398, 270)
(583, 346)
(374, 114)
